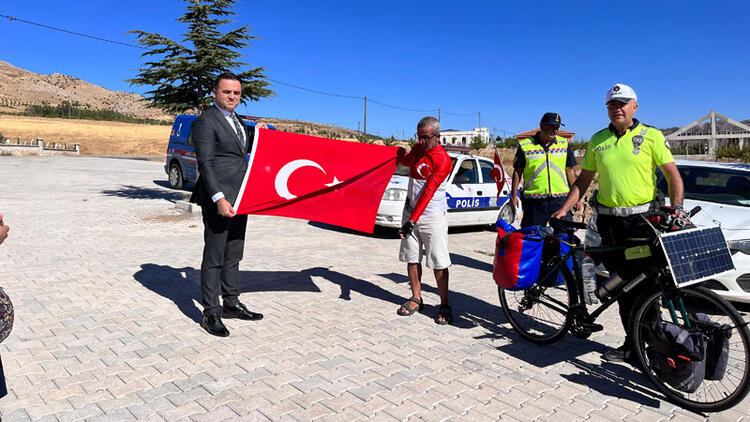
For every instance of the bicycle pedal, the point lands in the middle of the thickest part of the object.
(591, 326)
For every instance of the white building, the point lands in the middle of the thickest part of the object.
(463, 137)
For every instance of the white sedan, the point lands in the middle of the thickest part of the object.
(471, 193)
(722, 190)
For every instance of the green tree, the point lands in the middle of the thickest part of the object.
(182, 73)
(477, 143)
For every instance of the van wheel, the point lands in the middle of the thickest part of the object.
(175, 176)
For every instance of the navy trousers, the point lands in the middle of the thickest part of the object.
(536, 212)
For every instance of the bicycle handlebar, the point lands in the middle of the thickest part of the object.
(564, 226)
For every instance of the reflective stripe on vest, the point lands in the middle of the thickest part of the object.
(539, 181)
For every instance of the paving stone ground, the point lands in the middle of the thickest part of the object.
(103, 272)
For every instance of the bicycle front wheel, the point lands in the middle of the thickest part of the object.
(713, 394)
(539, 313)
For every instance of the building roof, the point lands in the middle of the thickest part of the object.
(564, 133)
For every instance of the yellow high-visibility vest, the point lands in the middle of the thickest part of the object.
(544, 174)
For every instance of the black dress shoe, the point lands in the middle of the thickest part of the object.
(240, 311)
(214, 326)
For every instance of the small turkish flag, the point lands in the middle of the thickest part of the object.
(498, 174)
(318, 179)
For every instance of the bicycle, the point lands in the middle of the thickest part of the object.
(546, 311)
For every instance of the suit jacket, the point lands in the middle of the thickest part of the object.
(221, 158)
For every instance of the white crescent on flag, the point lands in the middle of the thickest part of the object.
(500, 172)
(281, 183)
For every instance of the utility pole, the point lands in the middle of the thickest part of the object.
(358, 122)
(479, 119)
(365, 131)
(438, 114)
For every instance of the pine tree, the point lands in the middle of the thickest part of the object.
(183, 73)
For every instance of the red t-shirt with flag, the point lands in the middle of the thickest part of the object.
(428, 169)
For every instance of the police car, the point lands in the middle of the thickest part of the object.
(181, 165)
(471, 193)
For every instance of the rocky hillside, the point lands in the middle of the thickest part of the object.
(20, 89)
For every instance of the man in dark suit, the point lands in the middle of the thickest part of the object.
(221, 142)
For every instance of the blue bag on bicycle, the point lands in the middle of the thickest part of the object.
(518, 256)
(564, 248)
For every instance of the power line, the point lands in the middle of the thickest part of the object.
(401, 108)
(315, 91)
(11, 18)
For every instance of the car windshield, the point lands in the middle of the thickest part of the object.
(720, 185)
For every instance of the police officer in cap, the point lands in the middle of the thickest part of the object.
(625, 154)
(545, 162)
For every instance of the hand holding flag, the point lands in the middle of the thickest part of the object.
(498, 174)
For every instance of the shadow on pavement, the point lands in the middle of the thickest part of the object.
(378, 232)
(615, 380)
(348, 283)
(469, 262)
(188, 187)
(182, 285)
(135, 192)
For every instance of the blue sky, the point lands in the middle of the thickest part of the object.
(511, 61)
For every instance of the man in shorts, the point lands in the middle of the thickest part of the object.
(425, 228)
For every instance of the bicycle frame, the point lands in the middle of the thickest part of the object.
(558, 263)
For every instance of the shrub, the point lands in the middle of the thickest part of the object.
(734, 151)
(390, 141)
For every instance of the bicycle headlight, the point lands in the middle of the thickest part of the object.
(739, 246)
(507, 213)
(394, 194)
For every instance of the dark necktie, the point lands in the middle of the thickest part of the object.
(238, 128)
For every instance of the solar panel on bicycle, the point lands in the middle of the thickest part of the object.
(697, 254)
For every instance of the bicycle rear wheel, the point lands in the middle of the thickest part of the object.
(539, 314)
(711, 395)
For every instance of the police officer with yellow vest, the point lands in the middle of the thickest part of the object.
(625, 154)
(545, 161)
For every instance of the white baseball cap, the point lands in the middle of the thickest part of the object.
(620, 92)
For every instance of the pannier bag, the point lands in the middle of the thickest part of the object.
(677, 355)
(518, 256)
(563, 249)
(717, 350)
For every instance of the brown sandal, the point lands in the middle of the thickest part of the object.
(406, 310)
(445, 315)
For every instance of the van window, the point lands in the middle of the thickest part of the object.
(467, 173)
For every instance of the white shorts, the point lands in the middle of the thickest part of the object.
(429, 239)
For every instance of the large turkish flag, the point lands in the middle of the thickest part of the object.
(318, 179)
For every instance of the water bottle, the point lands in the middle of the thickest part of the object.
(589, 280)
